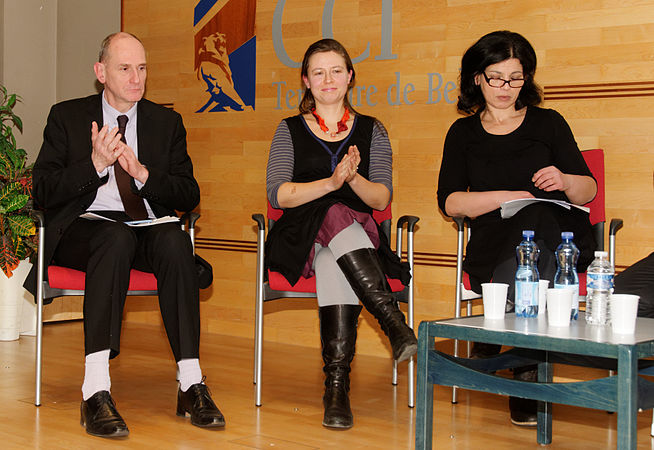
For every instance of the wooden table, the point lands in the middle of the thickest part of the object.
(538, 343)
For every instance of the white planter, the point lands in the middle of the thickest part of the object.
(12, 299)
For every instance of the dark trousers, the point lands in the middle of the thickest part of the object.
(638, 279)
(107, 251)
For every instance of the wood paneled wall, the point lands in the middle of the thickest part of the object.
(590, 54)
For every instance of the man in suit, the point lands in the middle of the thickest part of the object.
(119, 155)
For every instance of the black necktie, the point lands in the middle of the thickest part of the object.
(134, 206)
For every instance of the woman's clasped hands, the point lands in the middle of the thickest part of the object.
(346, 170)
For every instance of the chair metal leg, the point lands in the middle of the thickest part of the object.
(39, 309)
(258, 357)
(258, 325)
(459, 287)
(411, 382)
(410, 320)
(394, 376)
(39, 349)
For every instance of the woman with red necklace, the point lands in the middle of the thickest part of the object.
(328, 168)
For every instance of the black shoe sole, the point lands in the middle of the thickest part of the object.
(407, 352)
(209, 425)
(117, 434)
(338, 426)
(525, 424)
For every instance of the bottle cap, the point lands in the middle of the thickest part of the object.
(528, 233)
(599, 254)
(567, 235)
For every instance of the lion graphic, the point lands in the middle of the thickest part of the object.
(214, 70)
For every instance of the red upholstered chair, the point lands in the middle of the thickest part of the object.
(274, 286)
(62, 281)
(464, 293)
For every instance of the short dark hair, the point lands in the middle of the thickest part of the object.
(324, 45)
(104, 46)
(493, 48)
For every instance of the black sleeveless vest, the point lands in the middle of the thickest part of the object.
(290, 240)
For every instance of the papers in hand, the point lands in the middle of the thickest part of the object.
(132, 223)
(508, 209)
(148, 222)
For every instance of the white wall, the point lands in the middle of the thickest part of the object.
(81, 26)
(48, 51)
(29, 61)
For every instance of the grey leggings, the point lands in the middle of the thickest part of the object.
(332, 287)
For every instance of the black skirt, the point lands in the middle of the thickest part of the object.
(494, 240)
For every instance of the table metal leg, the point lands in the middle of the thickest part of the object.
(425, 391)
(545, 375)
(627, 397)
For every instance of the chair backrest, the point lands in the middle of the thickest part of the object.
(383, 218)
(595, 161)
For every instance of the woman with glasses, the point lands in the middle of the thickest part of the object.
(508, 148)
(328, 168)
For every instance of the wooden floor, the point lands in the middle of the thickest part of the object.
(144, 388)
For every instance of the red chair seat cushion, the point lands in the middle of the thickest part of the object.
(65, 278)
(466, 281)
(277, 282)
(582, 283)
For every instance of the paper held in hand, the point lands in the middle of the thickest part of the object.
(133, 223)
(508, 209)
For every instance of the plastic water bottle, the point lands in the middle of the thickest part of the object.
(566, 276)
(526, 277)
(599, 286)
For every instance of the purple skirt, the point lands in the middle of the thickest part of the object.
(338, 218)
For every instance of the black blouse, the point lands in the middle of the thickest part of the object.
(477, 161)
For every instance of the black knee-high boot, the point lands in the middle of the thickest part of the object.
(363, 271)
(338, 333)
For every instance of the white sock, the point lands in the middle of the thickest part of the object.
(189, 373)
(96, 374)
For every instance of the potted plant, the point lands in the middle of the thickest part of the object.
(17, 230)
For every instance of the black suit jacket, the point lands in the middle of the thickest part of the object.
(66, 182)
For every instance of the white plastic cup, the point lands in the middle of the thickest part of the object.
(542, 295)
(623, 310)
(494, 298)
(559, 307)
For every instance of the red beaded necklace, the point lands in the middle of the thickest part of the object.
(342, 124)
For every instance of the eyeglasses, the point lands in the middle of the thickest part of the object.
(499, 82)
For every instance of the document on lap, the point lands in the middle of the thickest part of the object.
(508, 209)
(132, 223)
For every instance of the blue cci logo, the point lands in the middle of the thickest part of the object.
(225, 54)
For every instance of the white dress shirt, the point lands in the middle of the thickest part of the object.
(108, 197)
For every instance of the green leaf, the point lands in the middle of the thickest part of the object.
(8, 259)
(11, 197)
(21, 225)
(14, 203)
(18, 122)
(19, 248)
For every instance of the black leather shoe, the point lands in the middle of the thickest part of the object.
(338, 413)
(523, 412)
(482, 350)
(196, 401)
(100, 418)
